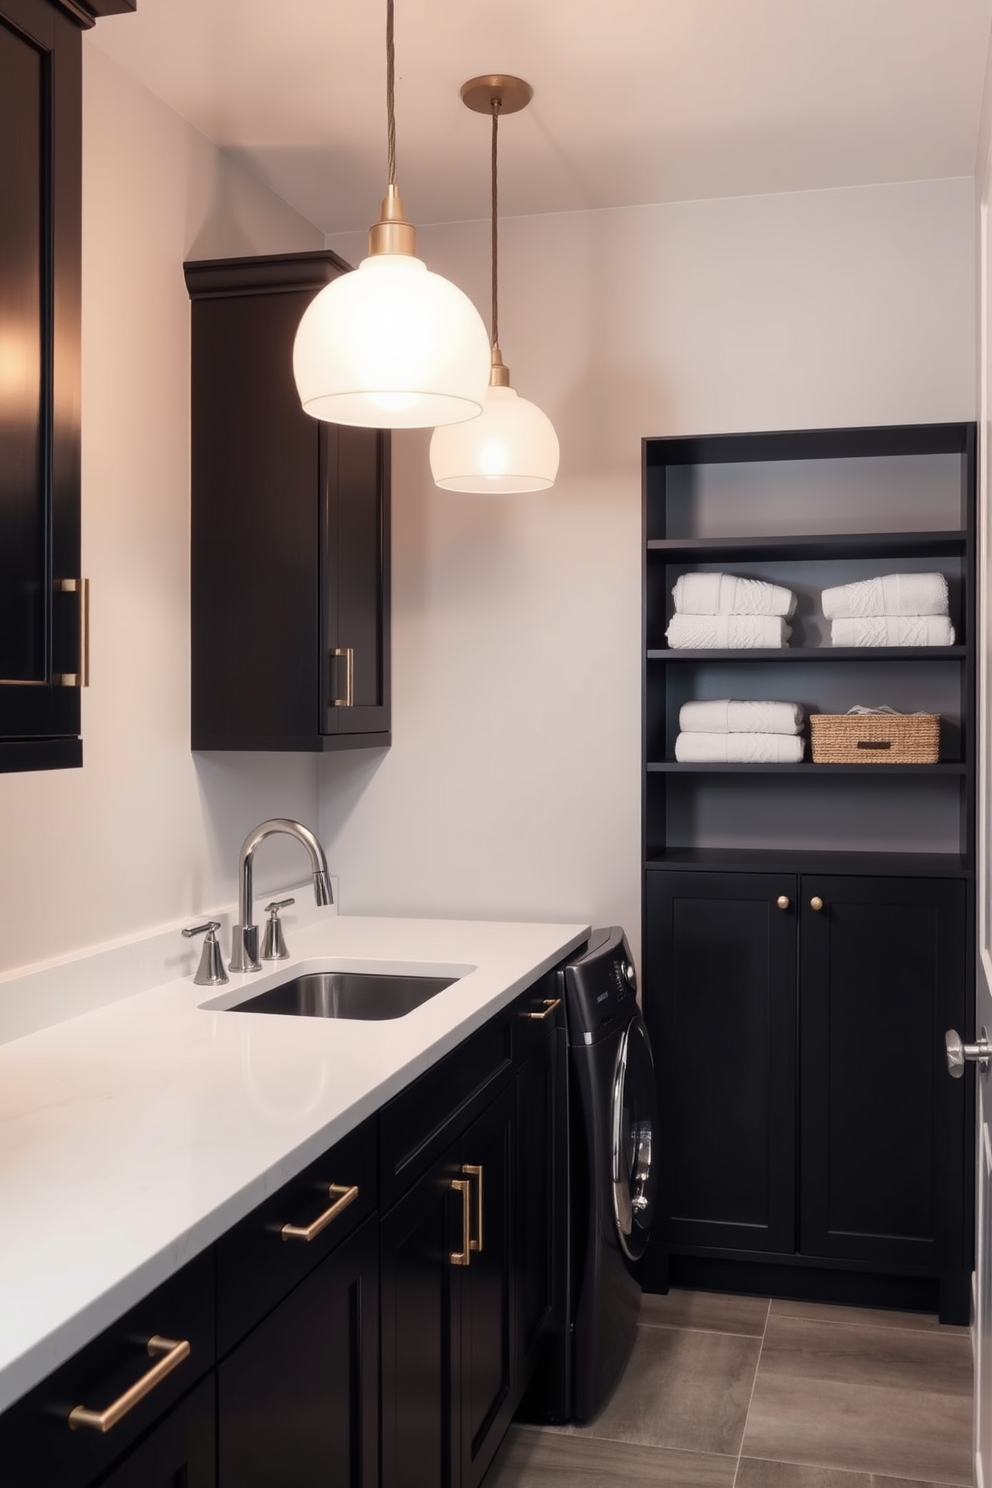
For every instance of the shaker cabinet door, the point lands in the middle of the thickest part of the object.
(721, 1009)
(298, 1397)
(355, 590)
(883, 975)
(42, 606)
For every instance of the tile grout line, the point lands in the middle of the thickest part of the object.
(750, 1399)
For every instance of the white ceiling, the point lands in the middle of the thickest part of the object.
(634, 100)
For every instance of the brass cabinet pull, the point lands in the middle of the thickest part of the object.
(344, 1197)
(172, 1352)
(80, 677)
(782, 902)
(463, 1257)
(816, 902)
(348, 701)
(475, 1172)
(550, 1003)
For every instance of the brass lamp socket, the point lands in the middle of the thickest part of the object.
(499, 376)
(392, 233)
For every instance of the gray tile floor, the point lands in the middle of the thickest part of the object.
(739, 1392)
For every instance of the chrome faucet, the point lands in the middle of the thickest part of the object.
(244, 949)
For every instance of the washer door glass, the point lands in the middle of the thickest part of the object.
(633, 1122)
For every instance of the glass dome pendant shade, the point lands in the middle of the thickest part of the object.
(512, 447)
(391, 345)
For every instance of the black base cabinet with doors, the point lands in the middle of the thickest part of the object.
(289, 528)
(376, 1320)
(816, 1143)
(809, 928)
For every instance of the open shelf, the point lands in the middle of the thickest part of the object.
(762, 860)
(898, 500)
(895, 545)
(806, 768)
(701, 655)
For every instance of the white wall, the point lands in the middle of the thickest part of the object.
(143, 833)
(513, 788)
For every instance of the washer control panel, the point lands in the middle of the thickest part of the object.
(600, 986)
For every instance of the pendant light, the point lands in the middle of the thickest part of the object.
(512, 446)
(391, 345)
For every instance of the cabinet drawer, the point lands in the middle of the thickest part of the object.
(258, 1263)
(535, 1014)
(37, 1444)
(418, 1124)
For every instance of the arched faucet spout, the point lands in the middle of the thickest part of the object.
(244, 950)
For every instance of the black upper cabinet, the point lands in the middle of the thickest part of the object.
(290, 528)
(41, 595)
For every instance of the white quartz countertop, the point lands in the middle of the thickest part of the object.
(133, 1136)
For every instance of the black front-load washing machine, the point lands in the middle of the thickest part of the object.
(612, 1179)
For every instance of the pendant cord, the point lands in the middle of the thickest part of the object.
(496, 103)
(390, 98)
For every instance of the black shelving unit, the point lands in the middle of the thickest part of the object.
(770, 890)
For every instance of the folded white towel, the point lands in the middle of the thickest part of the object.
(727, 716)
(739, 749)
(726, 632)
(725, 594)
(892, 594)
(893, 630)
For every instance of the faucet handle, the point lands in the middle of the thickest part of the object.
(274, 946)
(210, 972)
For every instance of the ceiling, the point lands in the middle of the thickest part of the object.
(635, 101)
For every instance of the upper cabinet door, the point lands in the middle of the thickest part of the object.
(41, 594)
(355, 589)
(290, 528)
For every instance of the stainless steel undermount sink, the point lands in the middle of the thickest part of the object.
(370, 996)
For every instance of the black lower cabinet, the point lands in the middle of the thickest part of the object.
(542, 1206)
(179, 1453)
(297, 1398)
(883, 975)
(373, 1323)
(447, 1311)
(483, 1316)
(416, 1240)
(814, 1145)
(722, 957)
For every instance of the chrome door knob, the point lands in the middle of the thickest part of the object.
(960, 1053)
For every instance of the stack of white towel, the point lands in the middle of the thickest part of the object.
(894, 610)
(719, 612)
(749, 733)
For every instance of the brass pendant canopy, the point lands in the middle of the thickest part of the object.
(511, 93)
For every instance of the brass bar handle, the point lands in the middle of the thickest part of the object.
(550, 1003)
(463, 1257)
(173, 1353)
(474, 1171)
(80, 677)
(348, 701)
(343, 1197)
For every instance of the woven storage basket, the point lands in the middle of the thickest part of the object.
(875, 738)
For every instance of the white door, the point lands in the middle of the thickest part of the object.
(983, 1008)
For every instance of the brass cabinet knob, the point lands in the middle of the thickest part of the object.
(816, 902)
(782, 902)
